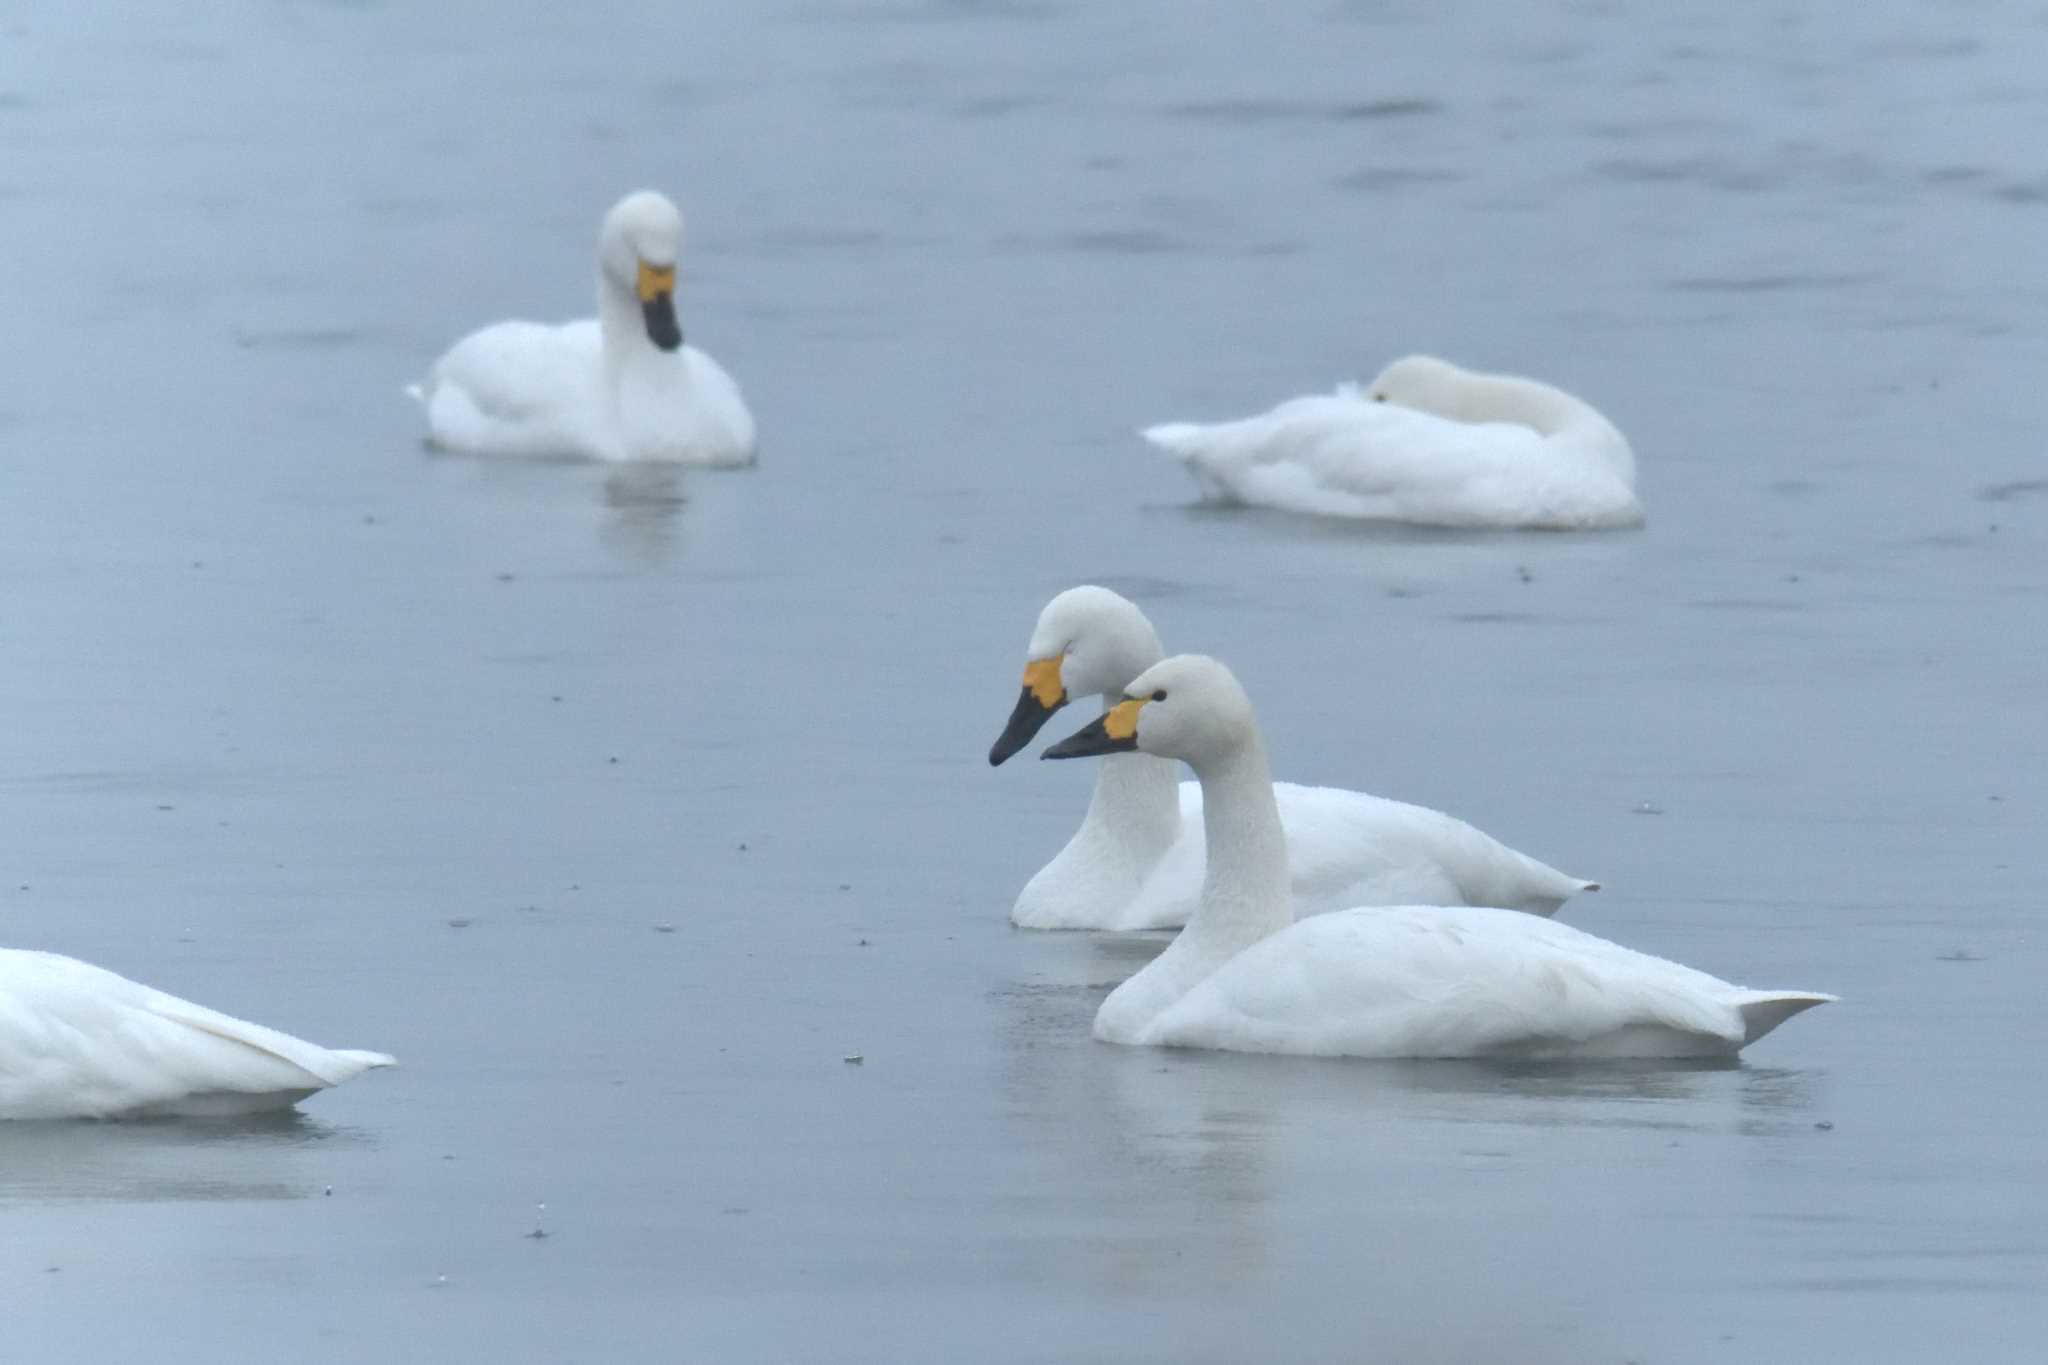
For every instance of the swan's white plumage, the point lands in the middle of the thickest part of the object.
(78, 1041)
(1443, 447)
(1344, 849)
(1460, 981)
(597, 388)
(1403, 981)
(1137, 860)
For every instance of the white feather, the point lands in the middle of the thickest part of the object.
(1450, 448)
(78, 1041)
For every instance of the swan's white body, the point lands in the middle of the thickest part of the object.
(78, 1041)
(599, 388)
(1427, 443)
(1407, 981)
(1137, 860)
(1344, 849)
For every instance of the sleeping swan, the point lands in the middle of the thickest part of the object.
(1410, 981)
(1136, 861)
(1428, 443)
(77, 1041)
(622, 386)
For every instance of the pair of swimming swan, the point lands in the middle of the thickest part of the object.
(1364, 977)
(620, 386)
(1137, 860)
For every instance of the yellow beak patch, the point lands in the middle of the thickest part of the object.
(1121, 720)
(1042, 680)
(656, 281)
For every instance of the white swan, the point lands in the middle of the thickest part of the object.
(622, 386)
(1410, 981)
(1136, 861)
(1428, 443)
(78, 1041)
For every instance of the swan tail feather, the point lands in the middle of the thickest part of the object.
(1550, 888)
(1180, 439)
(1763, 1011)
(328, 1066)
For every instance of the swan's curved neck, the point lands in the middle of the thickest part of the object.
(1506, 398)
(620, 323)
(1245, 889)
(1550, 411)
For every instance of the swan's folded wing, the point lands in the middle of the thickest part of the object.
(1345, 456)
(518, 373)
(79, 1041)
(1424, 982)
(1350, 848)
(268, 1048)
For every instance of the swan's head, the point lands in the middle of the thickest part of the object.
(636, 254)
(1419, 381)
(1088, 642)
(1189, 707)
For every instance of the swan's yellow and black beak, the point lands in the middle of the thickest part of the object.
(658, 305)
(1044, 694)
(1115, 731)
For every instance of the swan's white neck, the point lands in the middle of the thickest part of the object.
(622, 325)
(1244, 893)
(1136, 803)
(1550, 411)
(1245, 889)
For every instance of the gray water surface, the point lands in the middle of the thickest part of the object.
(625, 805)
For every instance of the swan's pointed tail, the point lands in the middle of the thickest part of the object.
(1180, 439)
(1549, 888)
(1765, 1010)
(350, 1062)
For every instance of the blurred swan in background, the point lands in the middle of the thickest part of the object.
(1425, 442)
(620, 386)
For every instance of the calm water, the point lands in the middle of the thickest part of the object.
(624, 807)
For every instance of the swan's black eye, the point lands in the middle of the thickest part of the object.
(1160, 695)
(1379, 398)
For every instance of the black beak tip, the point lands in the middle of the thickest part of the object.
(662, 328)
(1088, 741)
(1025, 723)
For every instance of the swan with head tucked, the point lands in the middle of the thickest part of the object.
(78, 1041)
(1407, 981)
(1136, 861)
(1428, 443)
(621, 386)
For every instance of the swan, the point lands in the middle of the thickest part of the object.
(1425, 442)
(1136, 861)
(79, 1041)
(1407, 981)
(621, 386)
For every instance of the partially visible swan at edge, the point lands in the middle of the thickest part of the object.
(1426, 442)
(1136, 861)
(78, 1041)
(621, 386)
(1408, 981)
